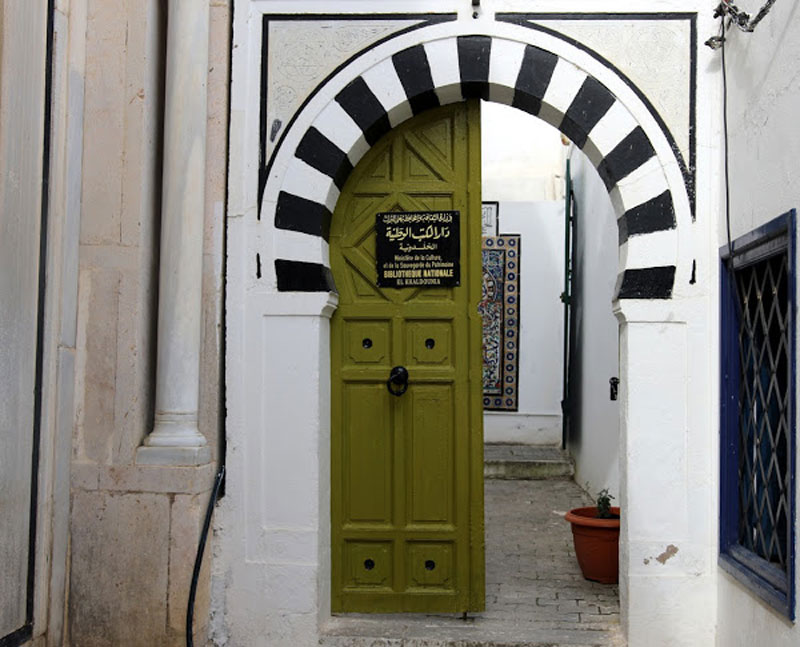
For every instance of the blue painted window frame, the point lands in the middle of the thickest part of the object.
(765, 580)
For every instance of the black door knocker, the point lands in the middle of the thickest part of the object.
(398, 380)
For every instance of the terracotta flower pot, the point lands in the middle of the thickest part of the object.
(596, 544)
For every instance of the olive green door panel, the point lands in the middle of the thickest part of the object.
(430, 449)
(367, 455)
(406, 472)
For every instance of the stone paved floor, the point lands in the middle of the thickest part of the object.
(535, 594)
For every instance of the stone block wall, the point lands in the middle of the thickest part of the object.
(134, 529)
(133, 546)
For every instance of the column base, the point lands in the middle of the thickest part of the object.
(173, 456)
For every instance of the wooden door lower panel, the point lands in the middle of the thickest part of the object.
(414, 573)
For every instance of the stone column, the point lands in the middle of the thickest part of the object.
(176, 439)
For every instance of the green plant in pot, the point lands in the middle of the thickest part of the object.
(595, 534)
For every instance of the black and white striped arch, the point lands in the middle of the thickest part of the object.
(454, 69)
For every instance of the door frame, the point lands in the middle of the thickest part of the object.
(280, 288)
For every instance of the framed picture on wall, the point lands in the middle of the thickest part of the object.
(490, 218)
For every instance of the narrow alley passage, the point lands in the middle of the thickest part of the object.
(535, 594)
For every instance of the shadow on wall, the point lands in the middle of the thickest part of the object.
(594, 357)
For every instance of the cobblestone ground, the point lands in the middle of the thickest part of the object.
(535, 594)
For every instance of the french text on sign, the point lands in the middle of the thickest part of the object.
(418, 248)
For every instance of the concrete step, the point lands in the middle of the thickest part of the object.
(526, 462)
(555, 639)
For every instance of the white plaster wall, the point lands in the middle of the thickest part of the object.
(303, 52)
(594, 433)
(663, 75)
(522, 157)
(764, 141)
(538, 420)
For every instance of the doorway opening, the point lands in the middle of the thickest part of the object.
(552, 434)
(532, 579)
(551, 358)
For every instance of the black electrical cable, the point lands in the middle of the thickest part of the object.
(727, 9)
(198, 560)
(725, 140)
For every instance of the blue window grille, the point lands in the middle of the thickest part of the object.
(757, 412)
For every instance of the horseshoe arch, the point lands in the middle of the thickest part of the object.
(529, 70)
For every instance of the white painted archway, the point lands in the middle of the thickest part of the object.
(280, 297)
(531, 70)
(495, 69)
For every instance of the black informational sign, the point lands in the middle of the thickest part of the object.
(418, 249)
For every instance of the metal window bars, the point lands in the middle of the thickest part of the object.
(764, 429)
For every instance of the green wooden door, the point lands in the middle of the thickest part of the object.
(407, 472)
